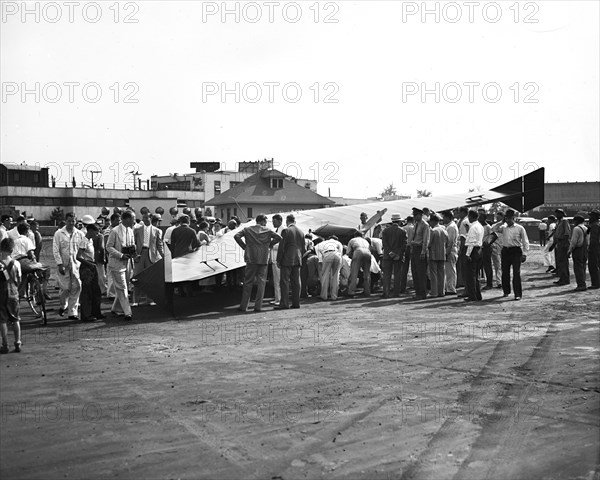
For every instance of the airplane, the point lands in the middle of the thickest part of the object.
(223, 254)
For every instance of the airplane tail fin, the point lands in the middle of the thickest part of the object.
(524, 193)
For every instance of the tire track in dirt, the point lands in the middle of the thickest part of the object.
(429, 464)
(501, 441)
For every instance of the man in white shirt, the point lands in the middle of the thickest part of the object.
(149, 249)
(14, 232)
(277, 221)
(463, 229)
(548, 250)
(5, 226)
(451, 254)
(65, 246)
(473, 243)
(329, 254)
(497, 249)
(514, 243)
(360, 253)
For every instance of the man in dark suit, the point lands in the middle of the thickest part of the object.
(394, 246)
(289, 260)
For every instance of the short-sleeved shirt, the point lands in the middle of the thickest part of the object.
(87, 245)
(22, 246)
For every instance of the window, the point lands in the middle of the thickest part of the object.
(234, 212)
(36, 178)
(228, 214)
(277, 183)
(16, 177)
(217, 187)
(222, 213)
(250, 213)
(233, 184)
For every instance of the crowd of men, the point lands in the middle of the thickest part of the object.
(446, 253)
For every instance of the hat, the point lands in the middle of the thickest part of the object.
(88, 220)
(158, 216)
(559, 210)
(579, 217)
(594, 213)
(396, 217)
(416, 210)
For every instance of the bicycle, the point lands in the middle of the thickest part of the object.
(35, 295)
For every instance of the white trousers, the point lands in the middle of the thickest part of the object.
(120, 282)
(70, 288)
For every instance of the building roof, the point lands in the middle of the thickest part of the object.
(14, 166)
(257, 189)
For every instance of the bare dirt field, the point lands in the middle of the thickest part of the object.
(360, 388)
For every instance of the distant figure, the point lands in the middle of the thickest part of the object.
(394, 245)
(562, 238)
(289, 260)
(438, 252)
(256, 241)
(473, 244)
(578, 248)
(542, 228)
(452, 253)
(594, 249)
(548, 249)
(514, 245)
(329, 254)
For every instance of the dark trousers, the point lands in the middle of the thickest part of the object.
(511, 257)
(579, 261)
(404, 269)
(254, 274)
(594, 266)
(389, 266)
(462, 267)
(471, 269)
(290, 275)
(487, 264)
(90, 297)
(419, 271)
(562, 261)
(543, 238)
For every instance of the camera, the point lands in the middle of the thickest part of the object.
(129, 250)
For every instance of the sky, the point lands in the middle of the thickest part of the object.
(443, 96)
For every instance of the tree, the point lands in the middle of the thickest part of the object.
(389, 191)
(423, 193)
(57, 215)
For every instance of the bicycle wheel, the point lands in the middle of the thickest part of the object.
(33, 290)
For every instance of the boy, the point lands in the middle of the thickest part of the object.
(10, 278)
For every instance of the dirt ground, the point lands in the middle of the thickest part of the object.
(360, 388)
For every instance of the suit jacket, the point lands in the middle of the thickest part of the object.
(394, 240)
(292, 247)
(155, 245)
(118, 237)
